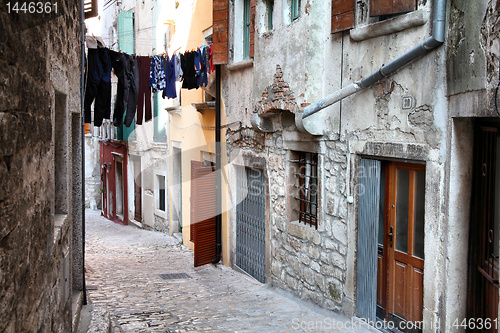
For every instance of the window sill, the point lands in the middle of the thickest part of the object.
(302, 231)
(159, 145)
(60, 223)
(240, 64)
(160, 213)
(390, 26)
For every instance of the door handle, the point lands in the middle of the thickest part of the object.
(391, 236)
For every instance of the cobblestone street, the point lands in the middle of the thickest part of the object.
(124, 265)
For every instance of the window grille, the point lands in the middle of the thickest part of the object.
(306, 184)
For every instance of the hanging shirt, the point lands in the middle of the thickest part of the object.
(211, 58)
(169, 65)
(176, 59)
(201, 67)
(157, 80)
(189, 73)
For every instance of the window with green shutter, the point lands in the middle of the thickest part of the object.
(270, 11)
(126, 43)
(246, 29)
(295, 9)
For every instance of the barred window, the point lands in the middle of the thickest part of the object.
(305, 175)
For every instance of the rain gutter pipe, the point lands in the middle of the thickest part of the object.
(82, 89)
(218, 168)
(431, 43)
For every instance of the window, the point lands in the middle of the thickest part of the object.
(246, 29)
(295, 9)
(270, 11)
(161, 193)
(126, 43)
(61, 154)
(305, 176)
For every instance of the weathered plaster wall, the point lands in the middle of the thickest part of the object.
(473, 58)
(40, 78)
(457, 79)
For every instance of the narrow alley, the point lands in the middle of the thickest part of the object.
(124, 269)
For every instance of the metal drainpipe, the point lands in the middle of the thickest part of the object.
(82, 89)
(218, 175)
(436, 40)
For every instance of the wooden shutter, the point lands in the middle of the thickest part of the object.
(220, 30)
(388, 7)
(253, 4)
(126, 32)
(342, 15)
(90, 8)
(203, 212)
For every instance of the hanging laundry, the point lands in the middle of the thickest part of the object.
(189, 73)
(144, 99)
(176, 59)
(201, 67)
(157, 74)
(98, 85)
(170, 90)
(126, 69)
(211, 58)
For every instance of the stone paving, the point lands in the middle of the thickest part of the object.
(123, 268)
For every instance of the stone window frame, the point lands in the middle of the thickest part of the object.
(157, 191)
(297, 200)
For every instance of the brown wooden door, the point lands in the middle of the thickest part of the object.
(203, 213)
(483, 293)
(401, 256)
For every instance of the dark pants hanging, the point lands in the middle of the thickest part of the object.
(126, 70)
(98, 86)
(144, 101)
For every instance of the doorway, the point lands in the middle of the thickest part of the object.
(251, 222)
(390, 269)
(137, 190)
(483, 271)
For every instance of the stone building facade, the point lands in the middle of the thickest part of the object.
(412, 133)
(41, 253)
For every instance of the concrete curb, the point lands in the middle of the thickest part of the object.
(94, 319)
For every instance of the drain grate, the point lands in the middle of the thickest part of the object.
(175, 276)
